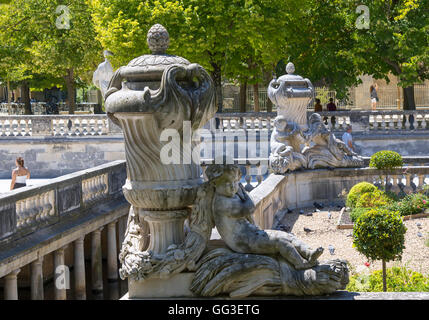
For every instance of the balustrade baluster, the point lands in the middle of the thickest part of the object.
(84, 126)
(228, 124)
(408, 181)
(260, 124)
(407, 121)
(421, 180)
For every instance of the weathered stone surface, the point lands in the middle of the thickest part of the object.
(69, 198)
(260, 262)
(291, 93)
(7, 220)
(160, 93)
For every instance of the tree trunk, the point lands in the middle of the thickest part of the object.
(256, 97)
(243, 96)
(409, 102)
(25, 93)
(217, 79)
(267, 80)
(71, 91)
(9, 93)
(269, 105)
(384, 275)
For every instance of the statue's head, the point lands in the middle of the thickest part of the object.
(283, 125)
(225, 178)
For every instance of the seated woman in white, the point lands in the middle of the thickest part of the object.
(19, 175)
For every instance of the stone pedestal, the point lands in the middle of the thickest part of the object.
(176, 286)
(166, 228)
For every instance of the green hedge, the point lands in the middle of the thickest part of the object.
(399, 279)
(386, 160)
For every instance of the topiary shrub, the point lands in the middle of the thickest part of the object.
(357, 212)
(386, 160)
(379, 234)
(373, 199)
(356, 191)
(399, 279)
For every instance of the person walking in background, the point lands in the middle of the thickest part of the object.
(348, 139)
(374, 96)
(318, 106)
(331, 107)
(19, 175)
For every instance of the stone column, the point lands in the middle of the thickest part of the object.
(96, 262)
(11, 285)
(37, 279)
(79, 269)
(112, 253)
(61, 275)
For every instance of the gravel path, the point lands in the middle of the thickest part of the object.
(324, 233)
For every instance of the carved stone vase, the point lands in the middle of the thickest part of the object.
(154, 94)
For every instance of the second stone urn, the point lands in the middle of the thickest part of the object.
(154, 93)
(301, 143)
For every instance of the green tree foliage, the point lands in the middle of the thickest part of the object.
(397, 41)
(52, 38)
(319, 42)
(235, 39)
(379, 234)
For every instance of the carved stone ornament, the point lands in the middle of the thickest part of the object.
(153, 93)
(256, 262)
(295, 144)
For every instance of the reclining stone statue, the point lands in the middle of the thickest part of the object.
(253, 262)
(327, 151)
(257, 262)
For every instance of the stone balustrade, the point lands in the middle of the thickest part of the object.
(302, 188)
(362, 121)
(98, 125)
(39, 108)
(57, 125)
(30, 208)
(40, 220)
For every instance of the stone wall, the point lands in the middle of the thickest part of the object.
(51, 157)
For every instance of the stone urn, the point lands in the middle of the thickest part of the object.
(156, 96)
(291, 94)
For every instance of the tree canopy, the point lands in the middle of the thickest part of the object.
(235, 40)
